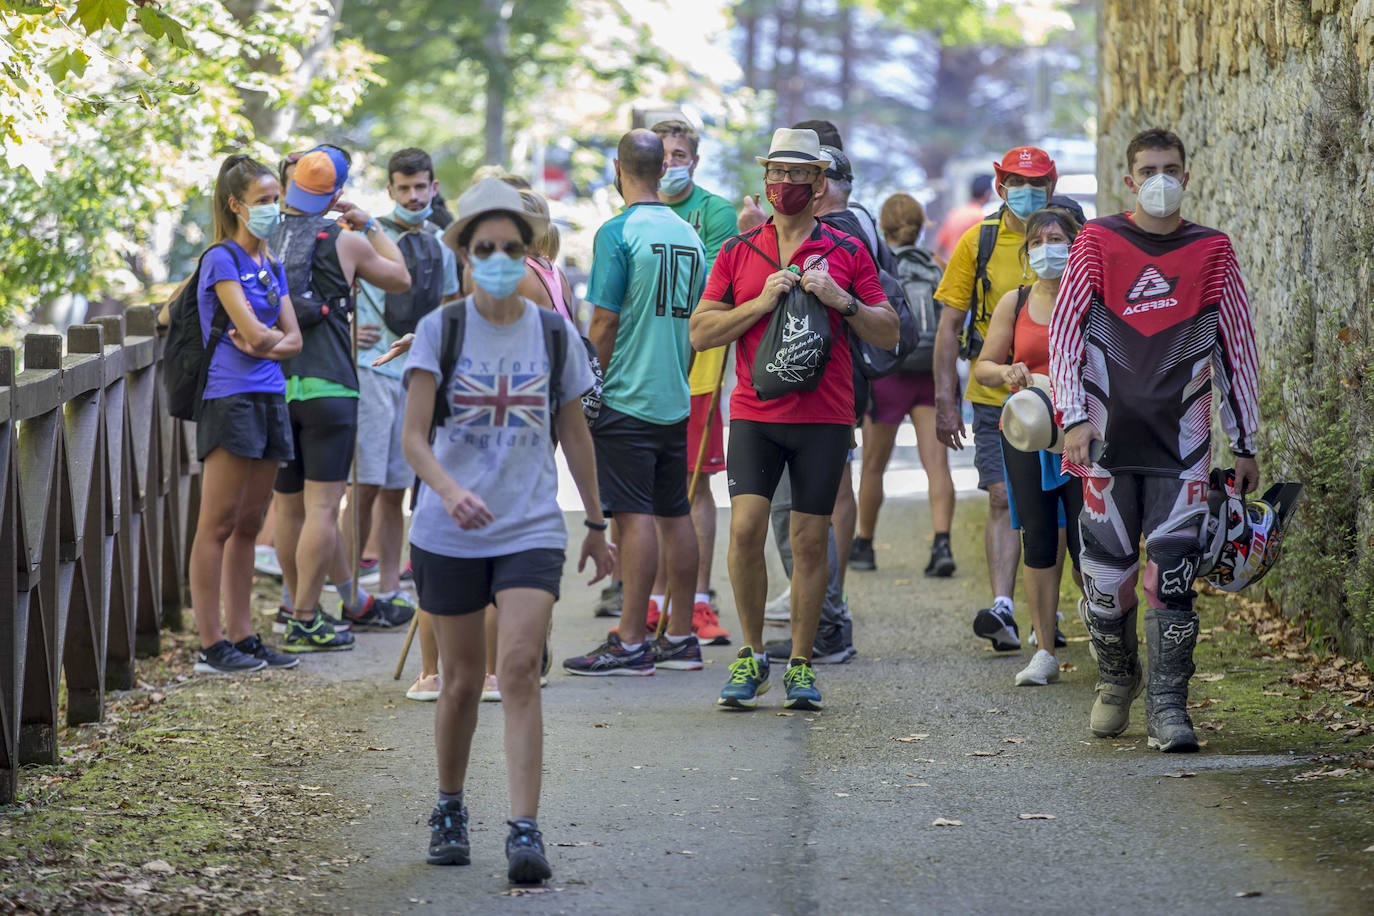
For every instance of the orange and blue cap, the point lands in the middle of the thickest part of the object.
(319, 176)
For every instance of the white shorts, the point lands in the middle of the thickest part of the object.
(381, 414)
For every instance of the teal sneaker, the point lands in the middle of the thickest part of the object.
(317, 635)
(748, 681)
(800, 681)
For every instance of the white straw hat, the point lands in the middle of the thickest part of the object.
(1028, 418)
(487, 196)
(802, 147)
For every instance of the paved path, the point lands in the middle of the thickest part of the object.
(664, 803)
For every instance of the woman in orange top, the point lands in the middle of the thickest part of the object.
(1044, 500)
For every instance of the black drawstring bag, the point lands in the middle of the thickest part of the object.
(795, 347)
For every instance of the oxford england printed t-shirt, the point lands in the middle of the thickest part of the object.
(231, 370)
(714, 221)
(649, 266)
(738, 277)
(496, 441)
(1006, 271)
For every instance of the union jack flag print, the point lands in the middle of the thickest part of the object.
(499, 400)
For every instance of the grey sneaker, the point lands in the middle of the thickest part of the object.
(608, 605)
(779, 610)
(831, 648)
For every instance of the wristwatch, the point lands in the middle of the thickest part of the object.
(852, 307)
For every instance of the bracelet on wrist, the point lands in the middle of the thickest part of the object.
(596, 526)
(370, 226)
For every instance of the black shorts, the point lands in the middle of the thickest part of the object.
(813, 453)
(641, 467)
(325, 432)
(254, 425)
(987, 445)
(449, 586)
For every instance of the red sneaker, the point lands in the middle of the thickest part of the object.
(651, 619)
(706, 624)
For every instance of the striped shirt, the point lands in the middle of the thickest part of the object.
(1144, 328)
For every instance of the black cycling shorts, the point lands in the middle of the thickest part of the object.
(325, 432)
(641, 467)
(449, 586)
(813, 453)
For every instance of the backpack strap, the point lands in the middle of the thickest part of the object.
(982, 285)
(452, 329)
(1022, 297)
(556, 345)
(219, 321)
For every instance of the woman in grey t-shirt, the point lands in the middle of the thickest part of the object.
(487, 528)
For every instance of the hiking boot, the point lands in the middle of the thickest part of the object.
(378, 614)
(800, 681)
(1116, 648)
(1083, 613)
(683, 656)
(748, 681)
(1043, 669)
(254, 647)
(448, 835)
(779, 610)
(1170, 635)
(611, 658)
(831, 648)
(706, 624)
(997, 626)
(223, 658)
(941, 565)
(525, 861)
(315, 635)
(282, 621)
(608, 605)
(861, 554)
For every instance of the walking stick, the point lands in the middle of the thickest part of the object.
(405, 649)
(692, 485)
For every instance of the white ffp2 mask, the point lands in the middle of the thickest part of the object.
(1160, 195)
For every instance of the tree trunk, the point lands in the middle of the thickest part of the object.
(496, 45)
(749, 21)
(793, 89)
(846, 88)
(274, 124)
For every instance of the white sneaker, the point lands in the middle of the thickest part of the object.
(490, 692)
(1043, 669)
(425, 689)
(265, 561)
(780, 608)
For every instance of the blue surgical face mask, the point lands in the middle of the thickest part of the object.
(1026, 199)
(263, 220)
(1048, 261)
(677, 179)
(498, 274)
(412, 217)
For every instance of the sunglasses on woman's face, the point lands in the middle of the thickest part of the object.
(485, 249)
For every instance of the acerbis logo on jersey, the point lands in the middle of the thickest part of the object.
(1149, 290)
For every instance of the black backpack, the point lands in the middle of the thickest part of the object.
(875, 362)
(453, 329)
(186, 357)
(424, 257)
(920, 277)
(970, 338)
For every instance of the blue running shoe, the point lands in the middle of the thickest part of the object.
(748, 681)
(800, 681)
(448, 834)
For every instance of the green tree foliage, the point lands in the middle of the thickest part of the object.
(114, 111)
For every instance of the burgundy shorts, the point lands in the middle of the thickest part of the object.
(714, 459)
(895, 396)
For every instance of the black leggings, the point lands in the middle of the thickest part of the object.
(1037, 509)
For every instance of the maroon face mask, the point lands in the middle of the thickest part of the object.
(787, 198)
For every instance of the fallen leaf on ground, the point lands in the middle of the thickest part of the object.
(523, 891)
(1208, 678)
(996, 753)
(915, 785)
(841, 794)
(1035, 817)
(1181, 774)
(1249, 894)
(1013, 740)
(378, 748)
(946, 822)
(1067, 666)
(911, 738)
(159, 866)
(901, 581)
(1369, 849)
(579, 843)
(787, 714)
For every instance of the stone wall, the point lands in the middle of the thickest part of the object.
(1273, 100)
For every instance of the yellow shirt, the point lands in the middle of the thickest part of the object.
(1006, 271)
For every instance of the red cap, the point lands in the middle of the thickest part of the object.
(1028, 161)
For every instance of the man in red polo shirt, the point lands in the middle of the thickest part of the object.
(808, 433)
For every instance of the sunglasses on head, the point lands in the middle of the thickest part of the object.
(485, 249)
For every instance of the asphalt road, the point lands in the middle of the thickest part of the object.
(655, 799)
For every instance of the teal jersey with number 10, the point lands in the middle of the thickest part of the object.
(649, 266)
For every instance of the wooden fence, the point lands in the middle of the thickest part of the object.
(99, 490)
